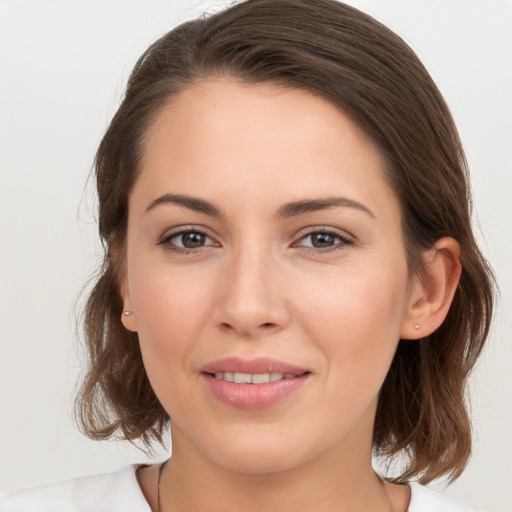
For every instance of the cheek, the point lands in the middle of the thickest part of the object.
(359, 298)
(164, 295)
(169, 323)
(356, 319)
(171, 308)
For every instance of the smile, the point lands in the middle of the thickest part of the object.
(253, 378)
(253, 384)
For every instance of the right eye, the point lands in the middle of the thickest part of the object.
(188, 240)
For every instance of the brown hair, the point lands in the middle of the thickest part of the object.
(343, 55)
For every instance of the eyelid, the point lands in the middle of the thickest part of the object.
(324, 229)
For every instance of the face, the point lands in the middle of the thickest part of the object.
(264, 246)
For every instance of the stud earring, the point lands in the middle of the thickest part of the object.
(127, 313)
(416, 326)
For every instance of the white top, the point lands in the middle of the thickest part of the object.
(120, 492)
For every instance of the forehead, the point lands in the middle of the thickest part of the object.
(245, 139)
(222, 106)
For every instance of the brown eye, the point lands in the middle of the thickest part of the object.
(191, 240)
(318, 240)
(321, 240)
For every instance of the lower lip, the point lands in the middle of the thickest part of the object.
(253, 396)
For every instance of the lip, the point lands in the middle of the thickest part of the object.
(257, 365)
(252, 396)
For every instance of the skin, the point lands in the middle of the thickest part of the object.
(255, 285)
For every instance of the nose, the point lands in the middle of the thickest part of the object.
(252, 299)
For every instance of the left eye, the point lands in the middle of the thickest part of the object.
(189, 240)
(322, 240)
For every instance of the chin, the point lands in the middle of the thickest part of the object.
(260, 462)
(254, 455)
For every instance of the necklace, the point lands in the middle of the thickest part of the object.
(160, 471)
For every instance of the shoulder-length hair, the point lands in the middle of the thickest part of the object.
(343, 55)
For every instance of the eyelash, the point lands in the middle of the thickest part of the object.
(166, 241)
(343, 241)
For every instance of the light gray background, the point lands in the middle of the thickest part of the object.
(63, 67)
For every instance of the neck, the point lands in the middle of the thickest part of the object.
(332, 482)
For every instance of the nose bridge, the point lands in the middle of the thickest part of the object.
(252, 299)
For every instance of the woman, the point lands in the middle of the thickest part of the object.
(290, 272)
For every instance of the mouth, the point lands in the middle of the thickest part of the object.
(254, 378)
(253, 384)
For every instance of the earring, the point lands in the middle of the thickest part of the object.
(127, 313)
(416, 326)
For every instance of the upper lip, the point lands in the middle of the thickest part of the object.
(253, 366)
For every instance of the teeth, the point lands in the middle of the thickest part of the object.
(253, 378)
(260, 378)
(242, 378)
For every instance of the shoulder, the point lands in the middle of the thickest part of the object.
(424, 499)
(117, 491)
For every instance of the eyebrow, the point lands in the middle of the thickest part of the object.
(292, 209)
(312, 205)
(193, 203)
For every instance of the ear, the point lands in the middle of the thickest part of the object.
(432, 292)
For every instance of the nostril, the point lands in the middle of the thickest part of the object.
(247, 328)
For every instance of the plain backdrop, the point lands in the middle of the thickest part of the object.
(63, 68)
